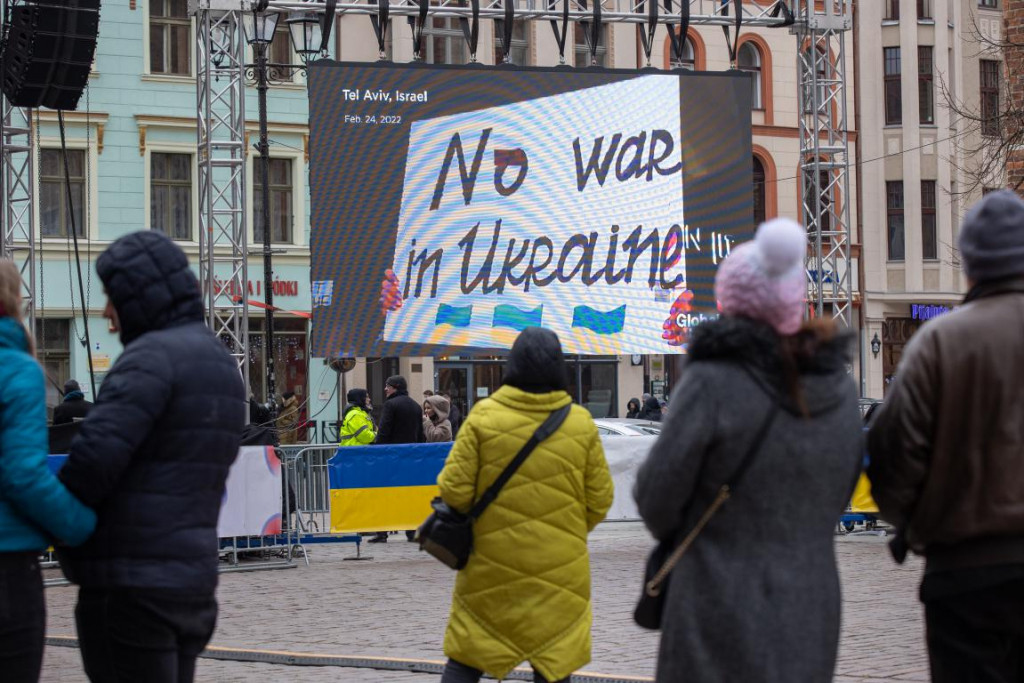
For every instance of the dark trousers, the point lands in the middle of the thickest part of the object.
(151, 635)
(977, 636)
(22, 617)
(457, 672)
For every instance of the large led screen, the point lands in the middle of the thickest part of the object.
(454, 206)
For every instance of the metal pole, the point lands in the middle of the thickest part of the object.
(260, 50)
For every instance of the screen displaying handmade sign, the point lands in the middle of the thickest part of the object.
(453, 207)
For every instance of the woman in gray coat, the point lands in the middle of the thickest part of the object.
(756, 597)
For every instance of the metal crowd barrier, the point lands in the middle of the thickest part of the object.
(304, 467)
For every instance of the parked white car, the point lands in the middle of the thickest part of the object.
(620, 426)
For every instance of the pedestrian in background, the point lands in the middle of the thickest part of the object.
(947, 456)
(454, 414)
(651, 410)
(633, 409)
(74, 406)
(287, 421)
(152, 458)
(401, 421)
(356, 423)
(525, 593)
(436, 426)
(35, 509)
(756, 597)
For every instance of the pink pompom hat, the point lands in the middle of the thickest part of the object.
(765, 279)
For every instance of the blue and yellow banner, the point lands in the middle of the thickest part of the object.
(384, 487)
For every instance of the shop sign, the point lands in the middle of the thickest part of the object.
(927, 311)
(255, 287)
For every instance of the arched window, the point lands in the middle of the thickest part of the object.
(760, 193)
(689, 60)
(749, 61)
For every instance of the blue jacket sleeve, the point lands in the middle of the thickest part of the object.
(130, 402)
(25, 477)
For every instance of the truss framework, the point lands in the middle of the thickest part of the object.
(220, 115)
(220, 107)
(17, 164)
(824, 156)
(822, 129)
(702, 12)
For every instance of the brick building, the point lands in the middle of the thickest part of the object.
(1013, 16)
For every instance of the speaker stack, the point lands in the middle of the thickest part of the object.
(47, 51)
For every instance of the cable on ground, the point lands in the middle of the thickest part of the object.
(425, 666)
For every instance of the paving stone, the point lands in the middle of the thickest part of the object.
(396, 605)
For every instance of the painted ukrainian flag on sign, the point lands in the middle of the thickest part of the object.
(384, 488)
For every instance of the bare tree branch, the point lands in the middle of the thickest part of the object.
(984, 140)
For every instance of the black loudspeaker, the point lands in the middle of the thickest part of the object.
(47, 51)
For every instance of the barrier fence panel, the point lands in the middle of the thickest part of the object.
(307, 472)
(254, 513)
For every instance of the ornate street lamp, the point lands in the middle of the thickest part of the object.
(306, 34)
(309, 32)
(876, 345)
(259, 27)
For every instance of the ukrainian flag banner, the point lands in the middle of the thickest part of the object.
(384, 487)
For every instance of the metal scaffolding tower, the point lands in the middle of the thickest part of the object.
(820, 30)
(220, 115)
(16, 179)
(824, 155)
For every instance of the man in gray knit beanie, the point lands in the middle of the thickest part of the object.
(947, 456)
(992, 238)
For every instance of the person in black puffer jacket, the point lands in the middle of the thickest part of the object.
(651, 411)
(152, 459)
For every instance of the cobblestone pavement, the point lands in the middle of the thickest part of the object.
(396, 605)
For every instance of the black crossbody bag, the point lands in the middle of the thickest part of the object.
(447, 534)
(667, 554)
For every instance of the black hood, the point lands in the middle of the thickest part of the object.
(757, 346)
(147, 278)
(357, 397)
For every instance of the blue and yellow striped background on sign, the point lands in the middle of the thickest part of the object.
(384, 488)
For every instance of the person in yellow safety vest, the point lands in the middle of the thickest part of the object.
(356, 425)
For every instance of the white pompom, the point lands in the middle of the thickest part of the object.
(782, 244)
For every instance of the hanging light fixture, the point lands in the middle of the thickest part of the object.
(259, 26)
(306, 33)
(219, 45)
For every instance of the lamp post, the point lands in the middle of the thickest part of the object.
(306, 34)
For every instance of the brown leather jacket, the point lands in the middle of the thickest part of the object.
(947, 447)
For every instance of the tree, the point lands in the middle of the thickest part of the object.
(989, 132)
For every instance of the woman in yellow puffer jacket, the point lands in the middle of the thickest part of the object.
(525, 594)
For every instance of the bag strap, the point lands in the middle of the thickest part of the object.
(653, 587)
(549, 427)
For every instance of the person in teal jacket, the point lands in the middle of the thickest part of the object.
(35, 508)
(356, 426)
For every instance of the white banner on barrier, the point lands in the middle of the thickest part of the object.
(625, 454)
(252, 495)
